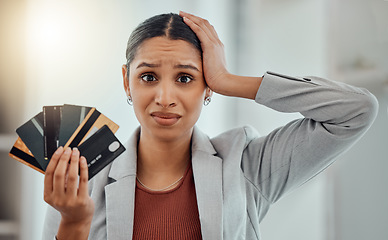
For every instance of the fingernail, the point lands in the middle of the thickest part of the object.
(68, 150)
(83, 161)
(75, 151)
(60, 149)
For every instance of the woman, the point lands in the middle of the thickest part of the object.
(173, 182)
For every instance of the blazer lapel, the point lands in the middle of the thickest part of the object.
(207, 170)
(120, 201)
(120, 193)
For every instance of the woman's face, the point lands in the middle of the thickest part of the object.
(167, 87)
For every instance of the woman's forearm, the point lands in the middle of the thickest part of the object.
(239, 86)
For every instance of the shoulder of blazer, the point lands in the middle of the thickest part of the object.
(237, 138)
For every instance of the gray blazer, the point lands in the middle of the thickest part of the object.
(239, 174)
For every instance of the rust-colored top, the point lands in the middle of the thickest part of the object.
(171, 214)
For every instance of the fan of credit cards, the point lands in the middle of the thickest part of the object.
(68, 126)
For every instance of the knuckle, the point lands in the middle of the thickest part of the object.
(58, 176)
(74, 159)
(58, 203)
(55, 156)
(82, 202)
(212, 47)
(195, 27)
(84, 180)
(65, 156)
(48, 173)
(72, 204)
(47, 198)
(84, 166)
(72, 178)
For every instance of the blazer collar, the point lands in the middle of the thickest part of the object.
(207, 170)
(125, 164)
(120, 193)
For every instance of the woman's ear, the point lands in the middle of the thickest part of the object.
(125, 73)
(209, 92)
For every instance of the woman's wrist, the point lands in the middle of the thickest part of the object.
(239, 86)
(74, 230)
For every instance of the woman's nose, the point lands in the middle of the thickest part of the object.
(165, 96)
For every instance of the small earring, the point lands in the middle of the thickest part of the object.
(129, 100)
(207, 101)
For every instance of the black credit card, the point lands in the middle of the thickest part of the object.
(31, 133)
(72, 117)
(51, 124)
(100, 149)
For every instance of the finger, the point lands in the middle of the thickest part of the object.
(185, 14)
(200, 22)
(193, 17)
(201, 34)
(60, 172)
(203, 24)
(49, 173)
(72, 175)
(84, 177)
(214, 33)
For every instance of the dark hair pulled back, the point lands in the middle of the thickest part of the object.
(164, 25)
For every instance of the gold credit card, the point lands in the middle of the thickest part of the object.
(21, 153)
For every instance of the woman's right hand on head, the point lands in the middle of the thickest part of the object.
(66, 190)
(214, 63)
(216, 75)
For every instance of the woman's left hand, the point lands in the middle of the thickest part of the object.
(214, 63)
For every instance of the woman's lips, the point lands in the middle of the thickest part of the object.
(165, 118)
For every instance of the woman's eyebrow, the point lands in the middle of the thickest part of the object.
(186, 66)
(179, 66)
(150, 65)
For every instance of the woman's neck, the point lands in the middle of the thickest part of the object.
(161, 162)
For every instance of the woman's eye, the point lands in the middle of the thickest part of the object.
(184, 79)
(148, 78)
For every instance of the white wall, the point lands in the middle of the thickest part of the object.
(360, 180)
(359, 55)
(288, 37)
(346, 41)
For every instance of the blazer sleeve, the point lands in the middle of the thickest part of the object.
(51, 223)
(335, 114)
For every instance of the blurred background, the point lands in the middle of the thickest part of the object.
(56, 52)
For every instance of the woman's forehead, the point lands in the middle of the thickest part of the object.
(159, 49)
